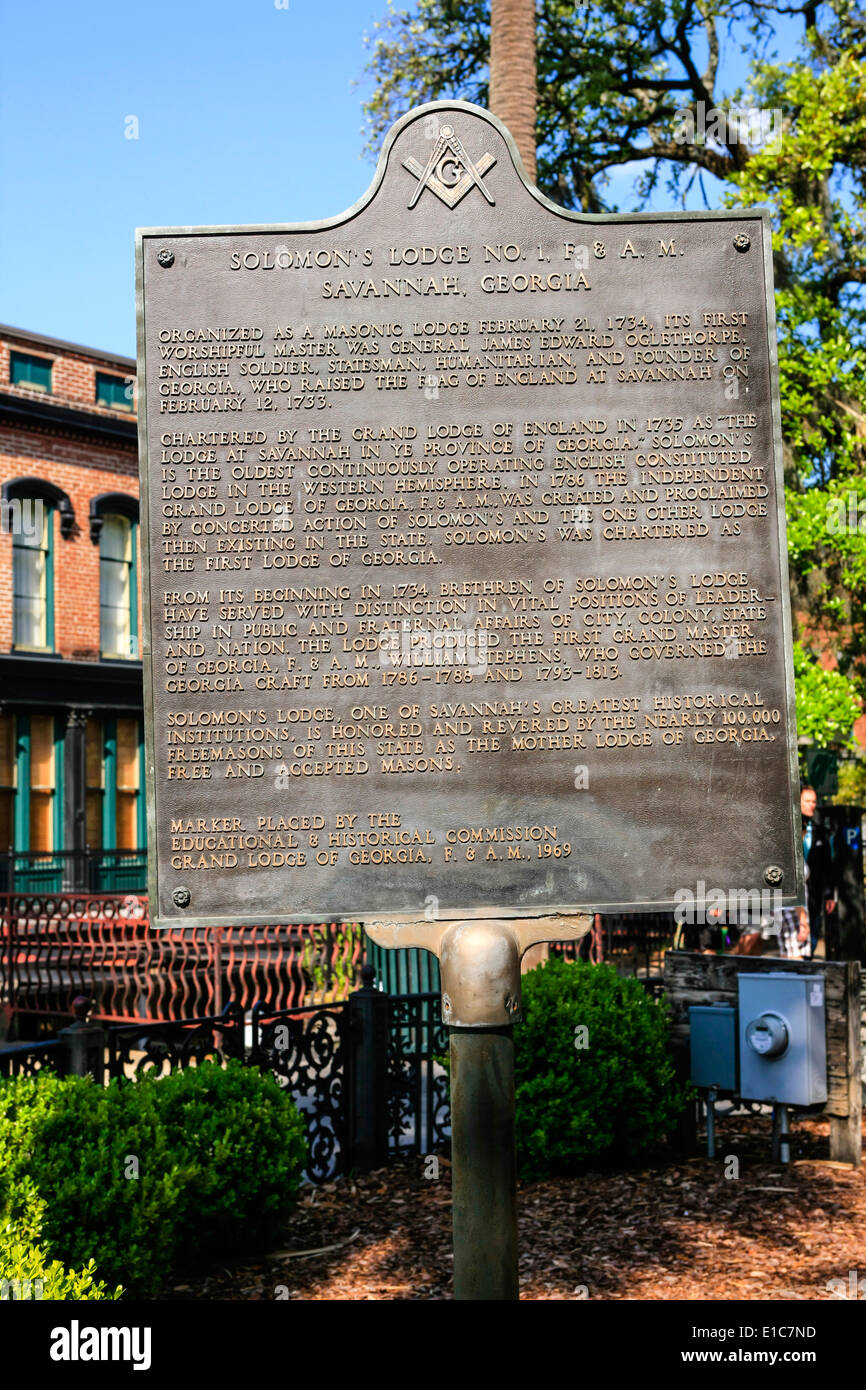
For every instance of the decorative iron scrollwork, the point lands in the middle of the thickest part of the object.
(306, 1050)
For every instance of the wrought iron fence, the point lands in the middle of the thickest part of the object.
(366, 1072)
(307, 1050)
(54, 946)
(314, 963)
(74, 870)
(31, 1058)
(633, 942)
(419, 1104)
(134, 1050)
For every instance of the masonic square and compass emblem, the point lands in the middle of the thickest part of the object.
(449, 172)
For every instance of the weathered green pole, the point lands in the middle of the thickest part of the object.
(480, 965)
(484, 1165)
(479, 961)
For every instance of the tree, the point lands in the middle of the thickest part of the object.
(616, 79)
(512, 72)
(814, 181)
(639, 83)
(826, 708)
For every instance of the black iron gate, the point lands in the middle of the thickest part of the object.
(368, 1073)
(307, 1050)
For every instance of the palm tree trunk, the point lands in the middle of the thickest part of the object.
(513, 72)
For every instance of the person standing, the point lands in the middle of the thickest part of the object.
(818, 860)
(792, 927)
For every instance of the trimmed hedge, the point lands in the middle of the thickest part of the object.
(27, 1272)
(141, 1175)
(614, 1098)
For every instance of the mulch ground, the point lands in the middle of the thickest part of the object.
(676, 1231)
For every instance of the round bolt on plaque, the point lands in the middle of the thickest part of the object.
(772, 874)
(742, 242)
(166, 258)
(181, 897)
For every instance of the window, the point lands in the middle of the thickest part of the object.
(7, 781)
(117, 588)
(114, 806)
(127, 779)
(94, 778)
(42, 784)
(31, 764)
(33, 372)
(31, 799)
(116, 392)
(32, 580)
(27, 507)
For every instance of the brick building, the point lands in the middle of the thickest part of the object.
(71, 747)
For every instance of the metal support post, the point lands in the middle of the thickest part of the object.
(784, 1135)
(781, 1144)
(367, 1075)
(711, 1122)
(84, 1042)
(479, 962)
(484, 1164)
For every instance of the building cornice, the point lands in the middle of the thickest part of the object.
(50, 682)
(23, 335)
(26, 413)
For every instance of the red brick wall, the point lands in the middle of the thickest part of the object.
(73, 376)
(83, 470)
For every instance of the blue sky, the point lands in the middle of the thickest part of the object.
(246, 113)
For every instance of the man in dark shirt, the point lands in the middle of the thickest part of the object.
(820, 877)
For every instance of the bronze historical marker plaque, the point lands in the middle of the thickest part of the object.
(467, 590)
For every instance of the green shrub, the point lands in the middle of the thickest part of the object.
(26, 1272)
(141, 1175)
(614, 1098)
(249, 1141)
(327, 959)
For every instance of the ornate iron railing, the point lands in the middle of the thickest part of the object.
(54, 946)
(136, 1049)
(419, 1107)
(307, 1052)
(31, 1058)
(74, 870)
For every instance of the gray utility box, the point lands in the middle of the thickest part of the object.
(782, 1035)
(713, 1045)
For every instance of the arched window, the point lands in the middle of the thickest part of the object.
(114, 526)
(27, 508)
(32, 578)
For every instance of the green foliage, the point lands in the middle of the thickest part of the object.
(827, 702)
(614, 78)
(825, 131)
(813, 179)
(852, 783)
(614, 1099)
(327, 960)
(139, 1176)
(26, 1271)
